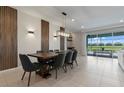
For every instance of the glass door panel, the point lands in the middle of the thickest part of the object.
(91, 43)
(105, 42)
(118, 42)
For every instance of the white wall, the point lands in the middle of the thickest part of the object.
(79, 42)
(28, 43)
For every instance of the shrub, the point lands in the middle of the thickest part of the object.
(118, 44)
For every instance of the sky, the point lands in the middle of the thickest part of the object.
(107, 39)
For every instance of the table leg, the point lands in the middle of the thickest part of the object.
(46, 73)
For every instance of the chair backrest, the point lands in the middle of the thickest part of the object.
(56, 50)
(68, 58)
(60, 59)
(26, 63)
(50, 50)
(39, 51)
(75, 52)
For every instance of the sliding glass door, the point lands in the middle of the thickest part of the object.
(105, 45)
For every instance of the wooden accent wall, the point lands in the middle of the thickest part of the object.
(8, 37)
(62, 40)
(44, 35)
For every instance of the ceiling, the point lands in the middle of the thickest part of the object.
(92, 16)
(88, 16)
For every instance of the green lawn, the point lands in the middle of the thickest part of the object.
(111, 48)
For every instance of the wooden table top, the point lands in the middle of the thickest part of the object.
(44, 55)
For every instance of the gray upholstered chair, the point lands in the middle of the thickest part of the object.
(57, 50)
(58, 62)
(28, 66)
(68, 59)
(74, 57)
(50, 50)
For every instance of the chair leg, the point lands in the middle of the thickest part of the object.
(71, 66)
(64, 69)
(56, 73)
(23, 75)
(76, 62)
(29, 78)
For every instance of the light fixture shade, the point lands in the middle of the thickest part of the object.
(61, 32)
(65, 34)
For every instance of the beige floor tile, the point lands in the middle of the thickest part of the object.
(90, 72)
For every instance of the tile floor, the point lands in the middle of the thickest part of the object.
(91, 72)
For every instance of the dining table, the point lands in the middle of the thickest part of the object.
(45, 56)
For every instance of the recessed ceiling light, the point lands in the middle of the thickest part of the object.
(72, 20)
(82, 26)
(121, 20)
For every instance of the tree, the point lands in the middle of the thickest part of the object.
(109, 44)
(118, 44)
(101, 44)
(94, 44)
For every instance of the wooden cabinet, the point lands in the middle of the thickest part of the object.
(8, 37)
(44, 35)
